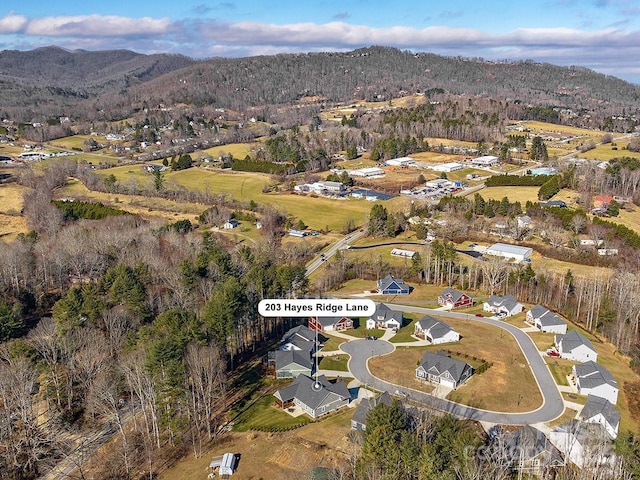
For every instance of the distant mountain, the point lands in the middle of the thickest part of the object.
(117, 83)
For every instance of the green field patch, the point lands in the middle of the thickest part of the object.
(405, 334)
(335, 362)
(560, 369)
(266, 415)
(574, 398)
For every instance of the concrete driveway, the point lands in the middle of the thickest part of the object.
(553, 404)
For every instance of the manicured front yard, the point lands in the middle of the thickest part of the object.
(406, 332)
(574, 397)
(559, 368)
(336, 362)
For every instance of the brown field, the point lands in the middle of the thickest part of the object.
(11, 201)
(523, 194)
(508, 386)
(274, 455)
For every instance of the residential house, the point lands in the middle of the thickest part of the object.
(359, 419)
(451, 299)
(545, 320)
(594, 379)
(393, 286)
(330, 324)
(384, 317)
(316, 397)
(602, 201)
(528, 451)
(503, 306)
(435, 331)
(291, 363)
(438, 368)
(600, 410)
(576, 347)
(231, 224)
(299, 338)
(587, 445)
(523, 221)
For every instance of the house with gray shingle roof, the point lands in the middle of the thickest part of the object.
(447, 371)
(359, 419)
(435, 331)
(600, 410)
(576, 347)
(330, 324)
(316, 397)
(454, 299)
(299, 338)
(545, 320)
(594, 379)
(291, 363)
(528, 451)
(384, 317)
(393, 286)
(507, 305)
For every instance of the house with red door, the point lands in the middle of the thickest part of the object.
(451, 299)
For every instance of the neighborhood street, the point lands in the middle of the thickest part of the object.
(331, 251)
(553, 405)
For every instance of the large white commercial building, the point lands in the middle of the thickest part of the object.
(400, 162)
(509, 251)
(485, 161)
(447, 167)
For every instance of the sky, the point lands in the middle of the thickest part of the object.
(603, 35)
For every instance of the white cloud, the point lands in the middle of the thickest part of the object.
(96, 26)
(12, 23)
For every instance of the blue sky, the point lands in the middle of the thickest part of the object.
(600, 34)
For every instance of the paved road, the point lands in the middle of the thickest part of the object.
(332, 250)
(552, 407)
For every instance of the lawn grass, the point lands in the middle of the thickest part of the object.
(362, 332)
(560, 369)
(405, 334)
(523, 194)
(238, 150)
(12, 222)
(426, 294)
(508, 385)
(399, 368)
(336, 362)
(332, 344)
(75, 141)
(574, 398)
(264, 415)
(543, 341)
(568, 414)
(607, 151)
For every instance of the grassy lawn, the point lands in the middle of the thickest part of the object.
(361, 331)
(336, 362)
(406, 332)
(574, 397)
(607, 152)
(12, 222)
(265, 415)
(333, 343)
(426, 294)
(238, 150)
(508, 385)
(542, 340)
(523, 194)
(560, 368)
(568, 414)
(399, 368)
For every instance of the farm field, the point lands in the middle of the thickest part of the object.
(606, 152)
(75, 141)
(537, 127)
(238, 150)
(523, 194)
(508, 385)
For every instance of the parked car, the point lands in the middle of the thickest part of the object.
(371, 337)
(479, 315)
(553, 353)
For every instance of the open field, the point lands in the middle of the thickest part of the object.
(264, 414)
(336, 362)
(607, 152)
(399, 368)
(424, 294)
(11, 201)
(75, 141)
(629, 216)
(167, 210)
(508, 385)
(523, 194)
(238, 150)
(537, 127)
(274, 455)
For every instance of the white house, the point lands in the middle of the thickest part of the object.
(384, 317)
(485, 161)
(594, 379)
(230, 224)
(584, 444)
(505, 306)
(509, 251)
(435, 331)
(545, 320)
(600, 410)
(576, 347)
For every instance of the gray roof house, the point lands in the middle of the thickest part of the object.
(527, 450)
(438, 368)
(587, 445)
(299, 338)
(384, 317)
(576, 347)
(454, 298)
(359, 419)
(434, 330)
(292, 363)
(393, 286)
(594, 379)
(545, 320)
(600, 410)
(316, 397)
(506, 306)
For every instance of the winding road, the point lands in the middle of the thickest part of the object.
(553, 404)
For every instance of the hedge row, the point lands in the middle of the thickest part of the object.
(516, 180)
